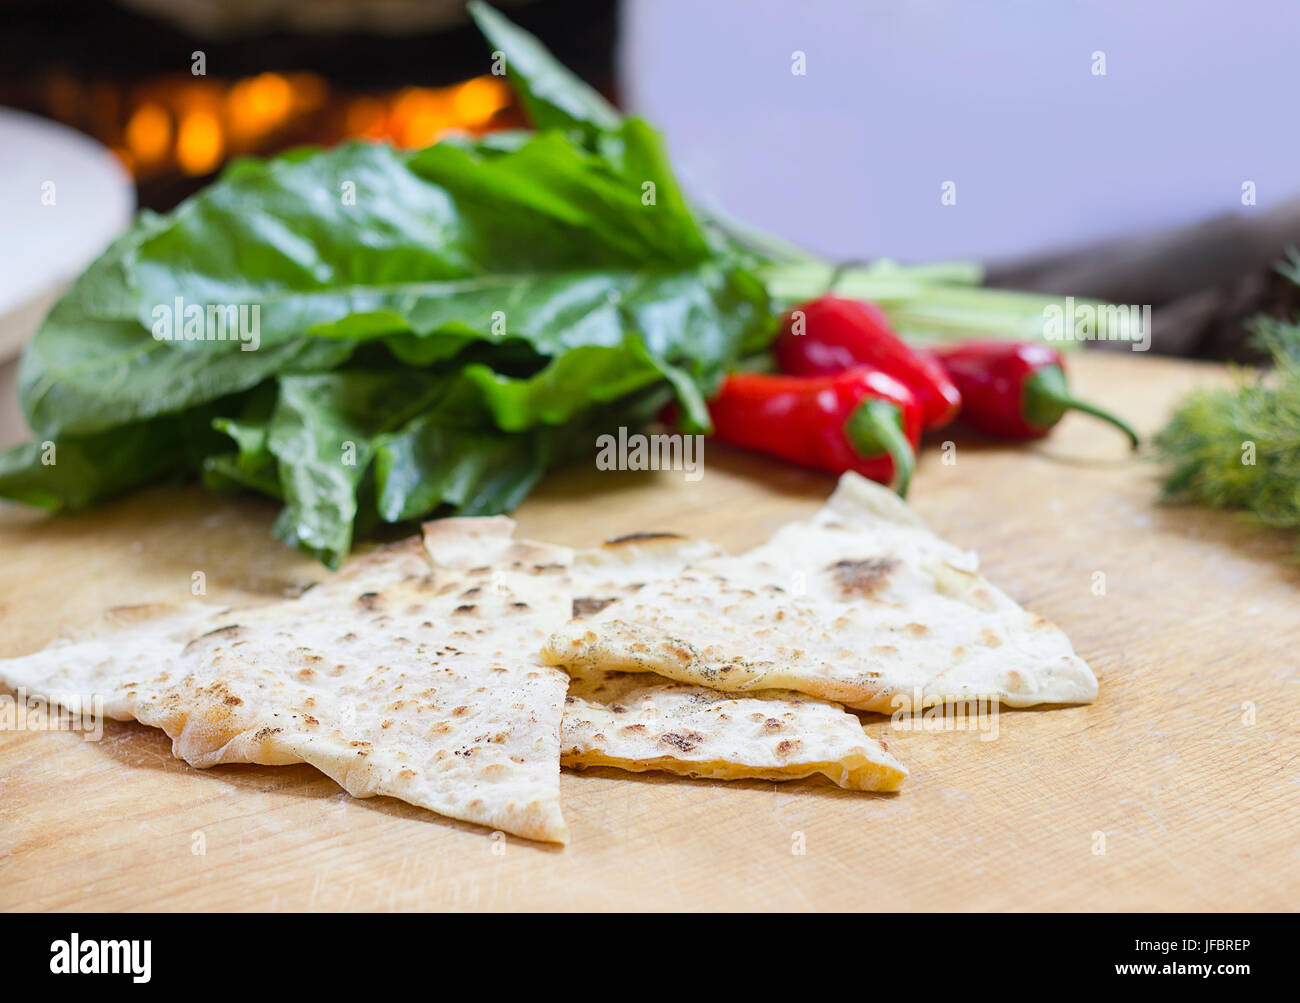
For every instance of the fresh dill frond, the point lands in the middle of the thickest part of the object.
(1240, 447)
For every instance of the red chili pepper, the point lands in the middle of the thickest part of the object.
(829, 335)
(862, 419)
(1014, 389)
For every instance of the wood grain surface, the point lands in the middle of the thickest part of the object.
(1178, 789)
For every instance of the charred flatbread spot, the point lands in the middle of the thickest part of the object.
(232, 701)
(228, 631)
(466, 609)
(771, 724)
(863, 577)
(460, 711)
(678, 650)
(519, 605)
(638, 537)
(786, 746)
(368, 599)
(588, 605)
(683, 743)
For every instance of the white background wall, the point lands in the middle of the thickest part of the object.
(996, 95)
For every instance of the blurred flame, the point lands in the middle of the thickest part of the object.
(200, 144)
(194, 123)
(194, 95)
(309, 91)
(366, 117)
(419, 116)
(149, 133)
(258, 105)
(475, 101)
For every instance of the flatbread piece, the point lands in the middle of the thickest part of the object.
(862, 605)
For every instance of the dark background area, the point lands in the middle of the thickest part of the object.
(92, 63)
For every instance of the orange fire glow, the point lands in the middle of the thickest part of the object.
(149, 133)
(191, 125)
(200, 143)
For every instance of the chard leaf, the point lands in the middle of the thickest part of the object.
(321, 434)
(428, 465)
(228, 471)
(356, 445)
(553, 97)
(430, 330)
(436, 244)
(253, 465)
(79, 471)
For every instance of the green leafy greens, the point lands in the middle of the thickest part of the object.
(433, 328)
(385, 334)
(1239, 447)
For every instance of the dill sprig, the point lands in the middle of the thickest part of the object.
(1239, 447)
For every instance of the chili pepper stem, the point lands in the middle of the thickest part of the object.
(874, 427)
(1046, 398)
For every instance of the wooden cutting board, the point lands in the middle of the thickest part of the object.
(1178, 789)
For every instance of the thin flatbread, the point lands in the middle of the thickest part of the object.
(862, 605)
(415, 673)
(639, 722)
(394, 678)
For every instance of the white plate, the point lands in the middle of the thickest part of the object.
(64, 198)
